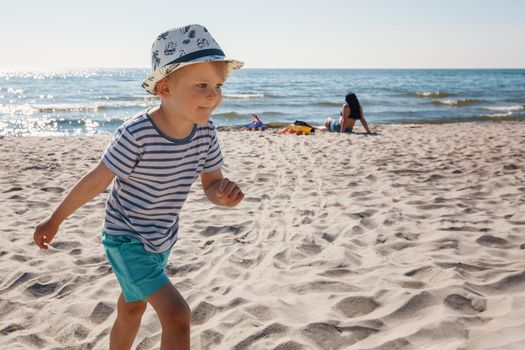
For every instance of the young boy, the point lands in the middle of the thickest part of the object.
(154, 158)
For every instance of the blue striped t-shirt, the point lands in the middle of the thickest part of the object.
(154, 174)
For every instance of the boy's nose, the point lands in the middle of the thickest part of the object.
(213, 93)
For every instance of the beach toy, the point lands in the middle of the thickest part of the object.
(298, 128)
(256, 124)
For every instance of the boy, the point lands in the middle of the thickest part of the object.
(154, 158)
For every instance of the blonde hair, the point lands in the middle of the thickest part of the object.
(221, 68)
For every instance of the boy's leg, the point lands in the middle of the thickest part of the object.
(174, 315)
(127, 323)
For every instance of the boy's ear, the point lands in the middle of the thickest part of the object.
(162, 87)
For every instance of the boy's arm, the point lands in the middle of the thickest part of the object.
(93, 183)
(219, 190)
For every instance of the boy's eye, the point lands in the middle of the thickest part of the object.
(204, 86)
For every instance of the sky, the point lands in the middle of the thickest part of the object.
(54, 34)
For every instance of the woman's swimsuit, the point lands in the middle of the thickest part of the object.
(335, 126)
(355, 113)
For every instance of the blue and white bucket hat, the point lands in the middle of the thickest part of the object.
(180, 47)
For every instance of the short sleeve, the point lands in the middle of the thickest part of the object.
(214, 159)
(122, 154)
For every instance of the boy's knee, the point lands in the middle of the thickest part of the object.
(177, 317)
(132, 310)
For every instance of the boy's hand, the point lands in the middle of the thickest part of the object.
(228, 193)
(44, 233)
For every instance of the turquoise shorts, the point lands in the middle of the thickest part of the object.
(139, 272)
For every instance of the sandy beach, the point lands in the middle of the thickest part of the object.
(410, 239)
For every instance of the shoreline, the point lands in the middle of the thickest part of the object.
(272, 126)
(480, 120)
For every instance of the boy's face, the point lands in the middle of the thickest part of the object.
(194, 92)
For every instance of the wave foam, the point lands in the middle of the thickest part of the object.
(433, 94)
(329, 104)
(460, 102)
(504, 109)
(242, 96)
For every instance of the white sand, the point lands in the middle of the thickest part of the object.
(412, 239)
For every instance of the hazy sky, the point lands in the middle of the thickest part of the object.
(269, 33)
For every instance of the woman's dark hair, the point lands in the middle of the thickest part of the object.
(353, 103)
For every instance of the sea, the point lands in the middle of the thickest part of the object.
(97, 101)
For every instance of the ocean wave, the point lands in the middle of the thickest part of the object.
(242, 96)
(230, 115)
(460, 102)
(145, 98)
(127, 98)
(432, 94)
(245, 116)
(15, 91)
(85, 108)
(270, 114)
(58, 126)
(68, 107)
(504, 109)
(329, 104)
(451, 120)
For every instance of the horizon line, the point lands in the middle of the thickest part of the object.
(5, 70)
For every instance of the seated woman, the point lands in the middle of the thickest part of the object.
(351, 112)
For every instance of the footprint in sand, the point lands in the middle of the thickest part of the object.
(388, 222)
(464, 305)
(434, 177)
(310, 248)
(356, 306)
(13, 189)
(331, 336)
(275, 330)
(65, 244)
(329, 237)
(357, 230)
(210, 339)
(511, 167)
(203, 312)
(336, 272)
(214, 230)
(81, 332)
(56, 190)
(360, 193)
(76, 251)
(36, 205)
(26, 276)
(289, 345)
(416, 303)
(11, 328)
(261, 312)
(39, 290)
(368, 223)
(101, 312)
(20, 258)
(493, 242)
(34, 340)
(510, 283)
(406, 236)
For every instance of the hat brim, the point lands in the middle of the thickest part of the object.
(151, 81)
